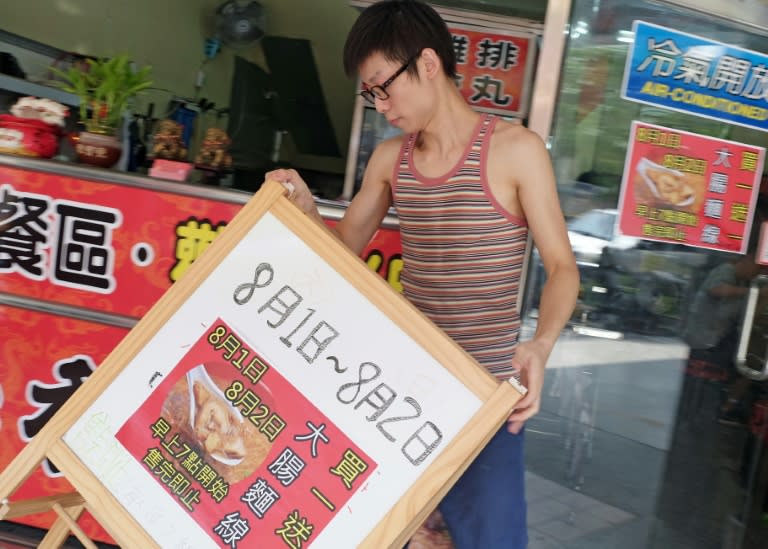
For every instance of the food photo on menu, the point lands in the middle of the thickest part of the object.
(668, 187)
(198, 410)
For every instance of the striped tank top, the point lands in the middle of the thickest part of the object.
(462, 252)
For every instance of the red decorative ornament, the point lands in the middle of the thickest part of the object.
(28, 137)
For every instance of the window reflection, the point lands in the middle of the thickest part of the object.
(621, 379)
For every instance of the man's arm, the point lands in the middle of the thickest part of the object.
(367, 209)
(371, 203)
(537, 195)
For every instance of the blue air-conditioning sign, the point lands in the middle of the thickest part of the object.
(691, 74)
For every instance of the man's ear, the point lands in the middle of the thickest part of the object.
(430, 62)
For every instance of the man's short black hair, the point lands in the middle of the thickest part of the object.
(399, 30)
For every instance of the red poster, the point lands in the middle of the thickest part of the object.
(494, 68)
(44, 359)
(101, 246)
(689, 189)
(242, 450)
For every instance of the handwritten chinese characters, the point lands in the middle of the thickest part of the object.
(319, 416)
(314, 338)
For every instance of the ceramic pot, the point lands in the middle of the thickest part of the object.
(97, 149)
(28, 137)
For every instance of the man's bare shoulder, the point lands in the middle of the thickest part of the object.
(514, 138)
(384, 157)
(518, 161)
(390, 147)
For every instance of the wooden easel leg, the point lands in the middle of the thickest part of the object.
(66, 522)
(13, 509)
(60, 530)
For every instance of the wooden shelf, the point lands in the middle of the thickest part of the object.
(25, 87)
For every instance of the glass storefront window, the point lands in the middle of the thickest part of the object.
(644, 440)
(591, 127)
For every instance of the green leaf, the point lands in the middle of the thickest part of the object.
(105, 88)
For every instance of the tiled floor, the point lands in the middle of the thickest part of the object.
(557, 514)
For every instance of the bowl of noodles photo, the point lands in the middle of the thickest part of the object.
(198, 410)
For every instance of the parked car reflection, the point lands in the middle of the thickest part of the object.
(628, 285)
(592, 231)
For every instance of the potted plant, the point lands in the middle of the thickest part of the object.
(105, 88)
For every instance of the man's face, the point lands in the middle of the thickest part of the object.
(402, 106)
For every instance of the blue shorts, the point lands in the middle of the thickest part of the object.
(486, 508)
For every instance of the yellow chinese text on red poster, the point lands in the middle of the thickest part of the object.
(242, 450)
(689, 189)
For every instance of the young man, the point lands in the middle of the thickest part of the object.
(467, 187)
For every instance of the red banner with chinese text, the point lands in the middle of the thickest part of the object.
(101, 246)
(45, 358)
(494, 68)
(109, 247)
(689, 189)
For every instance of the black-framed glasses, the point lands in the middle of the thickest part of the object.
(380, 91)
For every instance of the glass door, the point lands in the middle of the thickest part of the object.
(653, 426)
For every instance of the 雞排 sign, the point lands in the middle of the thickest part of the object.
(494, 68)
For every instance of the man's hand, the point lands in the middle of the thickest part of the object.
(530, 359)
(298, 191)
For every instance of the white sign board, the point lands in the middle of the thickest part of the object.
(279, 394)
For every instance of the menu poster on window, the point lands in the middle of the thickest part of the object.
(241, 449)
(688, 73)
(689, 189)
(761, 257)
(494, 68)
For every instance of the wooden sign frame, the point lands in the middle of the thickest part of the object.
(400, 521)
